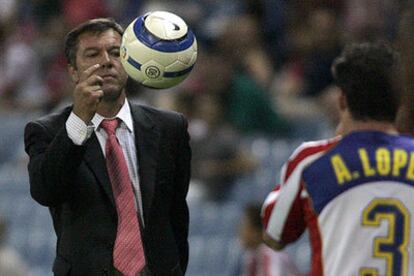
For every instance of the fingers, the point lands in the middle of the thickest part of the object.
(90, 88)
(88, 93)
(97, 94)
(91, 83)
(94, 80)
(90, 78)
(95, 87)
(89, 72)
(94, 93)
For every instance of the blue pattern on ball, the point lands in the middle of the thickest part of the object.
(159, 44)
(137, 65)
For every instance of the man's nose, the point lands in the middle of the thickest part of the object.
(106, 59)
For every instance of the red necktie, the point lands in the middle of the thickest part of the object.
(128, 252)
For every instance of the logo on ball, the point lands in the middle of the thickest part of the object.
(152, 72)
(123, 53)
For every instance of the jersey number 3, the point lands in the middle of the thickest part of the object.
(393, 247)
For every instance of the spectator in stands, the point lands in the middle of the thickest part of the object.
(260, 260)
(303, 88)
(48, 46)
(8, 10)
(247, 106)
(21, 87)
(325, 45)
(11, 264)
(41, 11)
(272, 19)
(242, 43)
(218, 158)
(371, 20)
(78, 11)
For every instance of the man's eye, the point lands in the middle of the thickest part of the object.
(91, 54)
(115, 53)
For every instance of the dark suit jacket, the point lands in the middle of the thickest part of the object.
(73, 182)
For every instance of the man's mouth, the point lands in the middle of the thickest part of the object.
(108, 76)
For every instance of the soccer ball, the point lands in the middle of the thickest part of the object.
(158, 49)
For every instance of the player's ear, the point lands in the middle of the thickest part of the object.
(343, 103)
(73, 72)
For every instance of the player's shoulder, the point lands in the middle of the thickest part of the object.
(404, 141)
(309, 150)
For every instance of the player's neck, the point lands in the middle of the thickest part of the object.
(350, 125)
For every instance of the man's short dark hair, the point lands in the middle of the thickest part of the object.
(95, 26)
(366, 72)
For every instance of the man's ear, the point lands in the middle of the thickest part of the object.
(73, 73)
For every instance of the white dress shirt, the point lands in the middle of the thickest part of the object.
(79, 133)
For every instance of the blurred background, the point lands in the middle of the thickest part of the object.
(261, 86)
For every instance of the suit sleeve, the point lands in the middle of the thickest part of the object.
(180, 213)
(53, 158)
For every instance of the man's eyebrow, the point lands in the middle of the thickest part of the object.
(91, 49)
(116, 47)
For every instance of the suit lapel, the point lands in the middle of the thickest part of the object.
(146, 142)
(96, 162)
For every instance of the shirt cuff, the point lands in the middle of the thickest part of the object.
(77, 130)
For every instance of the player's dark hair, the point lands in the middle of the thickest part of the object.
(366, 72)
(95, 26)
(252, 212)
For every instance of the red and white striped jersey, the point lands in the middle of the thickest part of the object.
(355, 195)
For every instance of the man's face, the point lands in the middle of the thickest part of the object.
(103, 49)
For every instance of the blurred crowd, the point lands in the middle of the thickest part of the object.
(263, 67)
(273, 54)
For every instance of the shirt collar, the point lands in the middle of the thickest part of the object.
(124, 115)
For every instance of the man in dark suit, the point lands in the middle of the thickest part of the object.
(71, 170)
